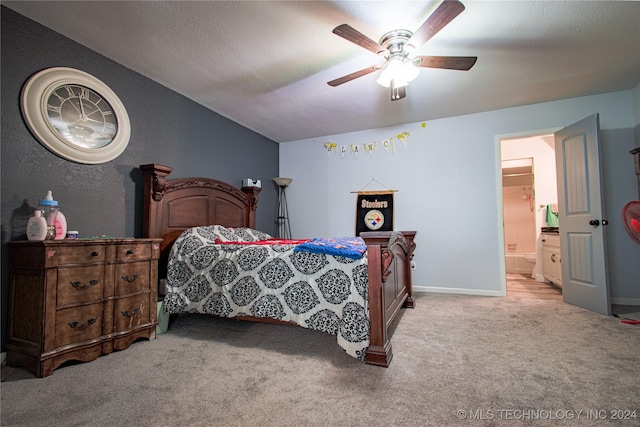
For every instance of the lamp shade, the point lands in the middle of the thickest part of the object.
(282, 182)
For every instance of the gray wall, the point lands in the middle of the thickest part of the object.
(636, 113)
(105, 199)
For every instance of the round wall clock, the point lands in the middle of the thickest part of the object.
(75, 115)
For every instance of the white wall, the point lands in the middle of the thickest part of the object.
(448, 182)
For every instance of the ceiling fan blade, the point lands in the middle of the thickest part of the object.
(354, 36)
(444, 14)
(352, 76)
(463, 63)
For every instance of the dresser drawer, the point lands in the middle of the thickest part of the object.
(132, 277)
(133, 251)
(77, 324)
(80, 254)
(131, 312)
(80, 284)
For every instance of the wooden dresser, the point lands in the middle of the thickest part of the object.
(79, 299)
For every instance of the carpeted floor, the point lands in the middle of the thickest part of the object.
(458, 360)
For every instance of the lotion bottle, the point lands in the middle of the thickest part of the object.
(61, 226)
(37, 226)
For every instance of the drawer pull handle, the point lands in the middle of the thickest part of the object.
(94, 253)
(76, 325)
(133, 312)
(130, 279)
(129, 251)
(79, 285)
(553, 257)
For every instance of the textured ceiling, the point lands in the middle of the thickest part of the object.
(265, 64)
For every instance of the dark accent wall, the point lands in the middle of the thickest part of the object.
(166, 128)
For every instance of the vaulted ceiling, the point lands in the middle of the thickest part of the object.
(266, 64)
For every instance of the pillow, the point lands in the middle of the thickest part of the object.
(245, 234)
(217, 233)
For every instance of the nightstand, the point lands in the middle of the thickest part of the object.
(79, 299)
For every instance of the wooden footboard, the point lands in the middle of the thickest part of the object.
(390, 255)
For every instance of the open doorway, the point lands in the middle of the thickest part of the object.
(529, 189)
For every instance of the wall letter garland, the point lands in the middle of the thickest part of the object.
(388, 144)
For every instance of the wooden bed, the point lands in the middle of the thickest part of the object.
(173, 205)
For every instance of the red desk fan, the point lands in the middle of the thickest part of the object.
(631, 219)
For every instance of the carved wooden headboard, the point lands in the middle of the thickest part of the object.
(174, 205)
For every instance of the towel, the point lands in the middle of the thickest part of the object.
(552, 217)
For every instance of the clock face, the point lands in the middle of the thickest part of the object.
(81, 116)
(75, 115)
(374, 219)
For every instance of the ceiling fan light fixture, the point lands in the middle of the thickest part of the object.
(397, 46)
(400, 69)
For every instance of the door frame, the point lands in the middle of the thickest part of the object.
(499, 199)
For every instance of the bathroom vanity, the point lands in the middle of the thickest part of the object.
(551, 258)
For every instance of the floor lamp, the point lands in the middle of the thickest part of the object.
(282, 227)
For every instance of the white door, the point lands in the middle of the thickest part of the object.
(585, 280)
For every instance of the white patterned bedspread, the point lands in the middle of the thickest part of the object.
(316, 291)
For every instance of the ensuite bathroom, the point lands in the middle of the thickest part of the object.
(530, 209)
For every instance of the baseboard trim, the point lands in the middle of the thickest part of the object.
(625, 301)
(439, 290)
(487, 293)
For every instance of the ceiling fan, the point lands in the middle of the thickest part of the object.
(396, 47)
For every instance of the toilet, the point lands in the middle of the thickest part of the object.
(532, 259)
(521, 263)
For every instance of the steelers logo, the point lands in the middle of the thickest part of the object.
(374, 219)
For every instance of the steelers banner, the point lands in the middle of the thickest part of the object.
(374, 211)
